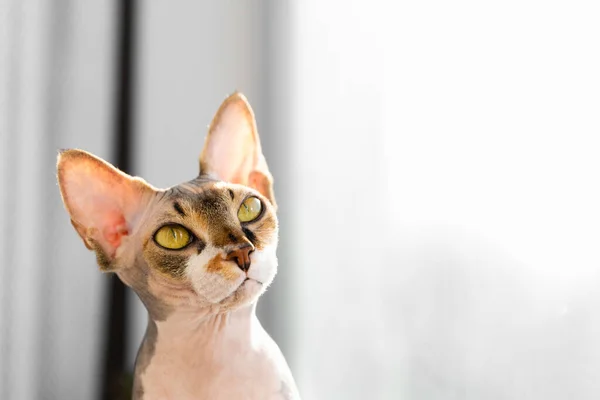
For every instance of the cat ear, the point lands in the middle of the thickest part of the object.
(232, 151)
(104, 203)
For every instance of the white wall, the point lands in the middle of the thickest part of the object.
(447, 199)
(339, 195)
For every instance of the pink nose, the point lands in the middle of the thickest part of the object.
(241, 256)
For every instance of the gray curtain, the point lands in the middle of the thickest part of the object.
(56, 88)
(57, 81)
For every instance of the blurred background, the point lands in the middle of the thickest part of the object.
(436, 168)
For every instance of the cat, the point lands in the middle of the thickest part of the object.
(198, 255)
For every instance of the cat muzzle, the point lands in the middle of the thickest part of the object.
(241, 256)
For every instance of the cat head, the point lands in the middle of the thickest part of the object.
(207, 243)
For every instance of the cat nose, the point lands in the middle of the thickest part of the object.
(241, 256)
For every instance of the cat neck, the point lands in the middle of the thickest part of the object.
(205, 328)
(211, 356)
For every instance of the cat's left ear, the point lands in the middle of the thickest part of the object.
(232, 150)
(105, 204)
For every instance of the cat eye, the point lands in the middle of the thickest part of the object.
(173, 237)
(250, 209)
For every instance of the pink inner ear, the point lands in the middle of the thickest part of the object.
(104, 203)
(232, 147)
(231, 151)
(115, 229)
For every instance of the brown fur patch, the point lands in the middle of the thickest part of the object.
(105, 263)
(171, 263)
(219, 266)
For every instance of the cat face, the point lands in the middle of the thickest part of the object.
(214, 239)
(208, 243)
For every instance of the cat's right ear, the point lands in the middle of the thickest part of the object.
(104, 203)
(232, 150)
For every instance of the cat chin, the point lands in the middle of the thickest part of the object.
(259, 277)
(229, 287)
(247, 293)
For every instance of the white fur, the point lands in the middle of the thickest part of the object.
(263, 266)
(214, 287)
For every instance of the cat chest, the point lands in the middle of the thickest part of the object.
(239, 374)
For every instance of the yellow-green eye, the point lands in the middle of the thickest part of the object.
(173, 237)
(250, 209)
